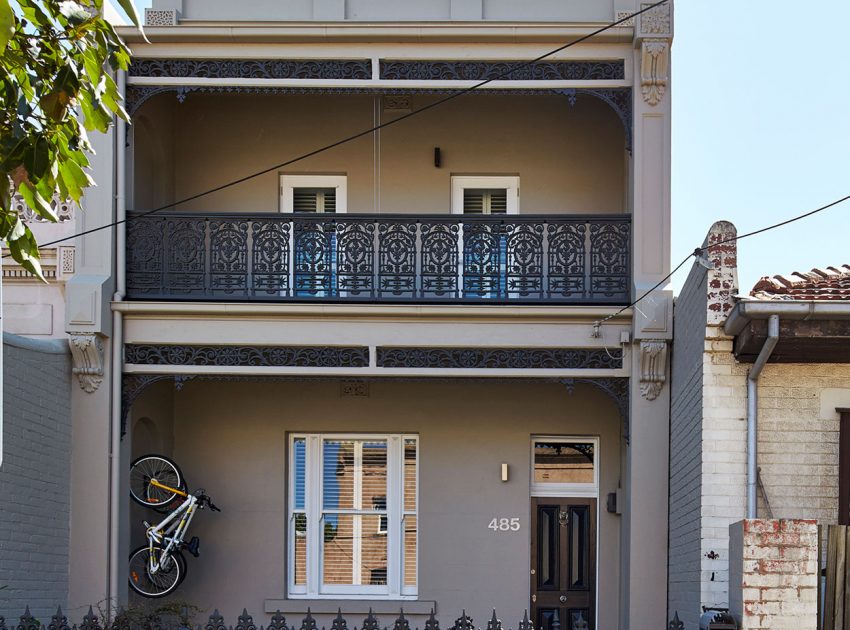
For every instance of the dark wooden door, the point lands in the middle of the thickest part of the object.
(563, 563)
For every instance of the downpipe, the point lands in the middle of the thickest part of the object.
(752, 413)
(117, 355)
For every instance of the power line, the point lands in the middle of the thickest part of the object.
(365, 132)
(699, 250)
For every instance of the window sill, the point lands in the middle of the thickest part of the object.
(351, 606)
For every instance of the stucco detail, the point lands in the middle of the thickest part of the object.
(657, 21)
(87, 353)
(161, 17)
(655, 60)
(653, 367)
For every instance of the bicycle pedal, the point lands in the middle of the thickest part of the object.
(194, 546)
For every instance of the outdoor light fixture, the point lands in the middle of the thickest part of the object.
(504, 472)
(438, 161)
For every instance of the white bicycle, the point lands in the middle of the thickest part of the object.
(156, 569)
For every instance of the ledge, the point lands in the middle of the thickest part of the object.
(351, 606)
(259, 310)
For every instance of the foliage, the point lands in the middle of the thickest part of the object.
(55, 85)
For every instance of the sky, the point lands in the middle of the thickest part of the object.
(761, 130)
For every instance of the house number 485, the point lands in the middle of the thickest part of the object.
(504, 524)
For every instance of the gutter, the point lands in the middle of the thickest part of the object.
(117, 356)
(748, 310)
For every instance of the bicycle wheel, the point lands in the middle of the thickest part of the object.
(158, 584)
(147, 468)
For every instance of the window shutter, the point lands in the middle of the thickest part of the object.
(314, 200)
(485, 201)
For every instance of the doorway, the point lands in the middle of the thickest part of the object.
(563, 563)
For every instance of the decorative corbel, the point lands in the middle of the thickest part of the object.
(653, 367)
(653, 35)
(87, 357)
(654, 61)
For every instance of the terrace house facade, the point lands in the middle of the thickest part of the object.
(401, 366)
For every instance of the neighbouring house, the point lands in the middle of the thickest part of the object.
(36, 423)
(792, 463)
(405, 368)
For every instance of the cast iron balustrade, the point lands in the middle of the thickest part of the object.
(565, 259)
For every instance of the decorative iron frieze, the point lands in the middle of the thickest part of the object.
(252, 68)
(411, 357)
(615, 388)
(366, 258)
(247, 356)
(513, 70)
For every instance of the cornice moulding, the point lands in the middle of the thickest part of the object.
(327, 32)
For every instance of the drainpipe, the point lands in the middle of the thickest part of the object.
(752, 412)
(117, 346)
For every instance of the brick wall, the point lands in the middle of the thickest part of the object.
(686, 404)
(35, 477)
(773, 574)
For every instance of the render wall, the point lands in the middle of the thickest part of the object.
(570, 159)
(35, 477)
(686, 405)
(231, 438)
(394, 10)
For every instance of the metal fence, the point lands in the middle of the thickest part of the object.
(136, 620)
(567, 259)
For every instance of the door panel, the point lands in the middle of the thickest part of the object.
(563, 560)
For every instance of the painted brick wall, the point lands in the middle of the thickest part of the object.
(798, 438)
(35, 477)
(774, 574)
(686, 404)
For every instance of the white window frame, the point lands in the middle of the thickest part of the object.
(509, 182)
(313, 500)
(586, 490)
(288, 183)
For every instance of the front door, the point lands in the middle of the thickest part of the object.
(563, 563)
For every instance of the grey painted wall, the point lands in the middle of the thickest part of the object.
(231, 438)
(35, 477)
(686, 393)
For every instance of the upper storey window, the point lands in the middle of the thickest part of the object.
(313, 193)
(485, 194)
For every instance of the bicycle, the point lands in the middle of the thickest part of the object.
(156, 569)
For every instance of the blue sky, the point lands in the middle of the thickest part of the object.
(761, 130)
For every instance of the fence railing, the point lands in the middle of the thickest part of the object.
(380, 258)
(132, 619)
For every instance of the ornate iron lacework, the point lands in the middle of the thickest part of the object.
(254, 356)
(619, 99)
(428, 70)
(253, 68)
(499, 358)
(365, 258)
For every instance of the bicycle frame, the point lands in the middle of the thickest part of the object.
(170, 530)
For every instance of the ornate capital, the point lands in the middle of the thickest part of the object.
(654, 61)
(87, 357)
(653, 367)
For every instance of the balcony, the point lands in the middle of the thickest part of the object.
(271, 257)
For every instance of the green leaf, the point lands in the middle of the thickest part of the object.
(75, 178)
(37, 158)
(7, 24)
(130, 9)
(24, 250)
(36, 202)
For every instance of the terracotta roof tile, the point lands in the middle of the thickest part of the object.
(832, 283)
